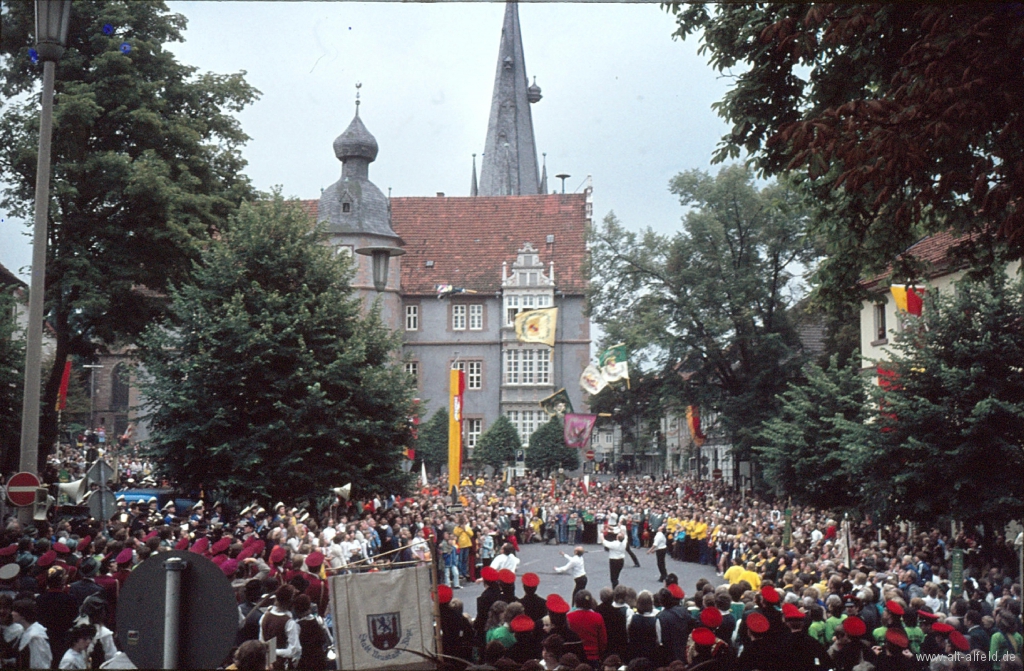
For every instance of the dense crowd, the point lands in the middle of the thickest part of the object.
(780, 605)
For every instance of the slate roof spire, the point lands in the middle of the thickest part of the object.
(509, 166)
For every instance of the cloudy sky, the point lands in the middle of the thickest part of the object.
(623, 102)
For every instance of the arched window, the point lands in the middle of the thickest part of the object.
(119, 388)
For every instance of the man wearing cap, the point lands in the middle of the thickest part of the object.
(892, 616)
(532, 603)
(850, 648)
(317, 590)
(707, 652)
(491, 593)
(85, 586)
(895, 653)
(675, 623)
(456, 633)
(760, 653)
(803, 652)
(575, 568)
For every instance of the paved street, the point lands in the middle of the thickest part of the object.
(541, 559)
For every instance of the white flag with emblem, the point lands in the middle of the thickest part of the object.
(379, 617)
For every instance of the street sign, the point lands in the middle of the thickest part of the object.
(102, 504)
(716, 474)
(599, 457)
(21, 489)
(100, 472)
(455, 509)
(208, 613)
(590, 455)
(956, 573)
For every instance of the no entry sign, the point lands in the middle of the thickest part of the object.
(21, 489)
(590, 455)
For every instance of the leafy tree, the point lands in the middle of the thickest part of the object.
(146, 163)
(804, 449)
(906, 118)
(432, 444)
(12, 365)
(948, 435)
(270, 382)
(498, 444)
(547, 450)
(706, 308)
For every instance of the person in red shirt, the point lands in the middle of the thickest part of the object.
(589, 626)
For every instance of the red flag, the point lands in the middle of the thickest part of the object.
(693, 422)
(62, 395)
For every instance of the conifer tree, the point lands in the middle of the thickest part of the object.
(269, 381)
(547, 449)
(498, 444)
(432, 444)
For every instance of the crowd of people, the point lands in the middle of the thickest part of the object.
(814, 597)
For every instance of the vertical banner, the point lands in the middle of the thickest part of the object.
(576, 430)
(456, 386)
(62, 394)
(693, 422)
(378, 616)
(787, 533)
(956, 572)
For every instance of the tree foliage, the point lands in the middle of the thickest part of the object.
(906, 118)
(948, 436)
(146, 163)
(432, 443)
(706, 308)
(268, 381)
(498, 444)
(12, 365)
(804, 448)
(547, 450)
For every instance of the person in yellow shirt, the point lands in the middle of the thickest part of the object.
(464, 541)
(733, 573)
(751, 577)
(700, 535)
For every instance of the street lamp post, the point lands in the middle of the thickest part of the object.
(52, 18)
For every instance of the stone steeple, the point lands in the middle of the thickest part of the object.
(509, 166)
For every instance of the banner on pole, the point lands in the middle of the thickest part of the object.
(379, 616)
(456, 387)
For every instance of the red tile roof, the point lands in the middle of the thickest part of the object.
(934, 252)
(469, 238)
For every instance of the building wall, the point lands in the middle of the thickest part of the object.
(873, 348)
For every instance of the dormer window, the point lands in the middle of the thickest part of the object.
(346, 207)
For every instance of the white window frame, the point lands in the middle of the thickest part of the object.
(476, 317)
(412, 318)
(881, 334)
(458, 317)
(474, 429)
(413, 368)
(525, 422)
(474, 375)
(527, 367)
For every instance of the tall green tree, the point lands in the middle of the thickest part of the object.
(706, 308)
(268, 381)
(498, 444)
(906, 119)
(146, 164)
(804, 450)
(432, 443)
(547, 450)
(948, 433)
(12, 365)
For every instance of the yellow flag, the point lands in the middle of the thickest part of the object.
(899, 293)
(456, 386)
(537, 326)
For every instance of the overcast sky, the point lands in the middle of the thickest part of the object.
(623, 102)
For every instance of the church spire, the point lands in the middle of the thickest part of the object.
(544, 176)
(473, 190)
(509, 166)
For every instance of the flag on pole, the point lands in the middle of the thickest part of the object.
(908, 299)
(592, 381)
(456, 387)
(537, 326)
(693, 421)
(409, 453)
(613, 363)
(423, 474)
(557, 404)
(446, 290)
(62, 394)
(379, 616)
(586, 484)
(577, 430)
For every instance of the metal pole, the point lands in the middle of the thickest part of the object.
(37, 289)
(172, 608)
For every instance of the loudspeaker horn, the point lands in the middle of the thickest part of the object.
(74, 490)
(343, 492)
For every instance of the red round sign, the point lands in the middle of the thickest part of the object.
(590, 455)
(21, 489)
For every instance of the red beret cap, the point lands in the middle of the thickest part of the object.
(854, 626)
(959, 641)
(47, 559)
(315, 559)
(942, 628)
(770, 594)
(125, 556)
(488, 574)
(60, 548)
(531, 580)
(507, 576)
(676, 591)
(556, 604)
(894, 608)
(711, 618)
(791, 612)
(897, 638)
(757, 623)
(277, 554)
(444, 594)
(521, 623)
(703, 636)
